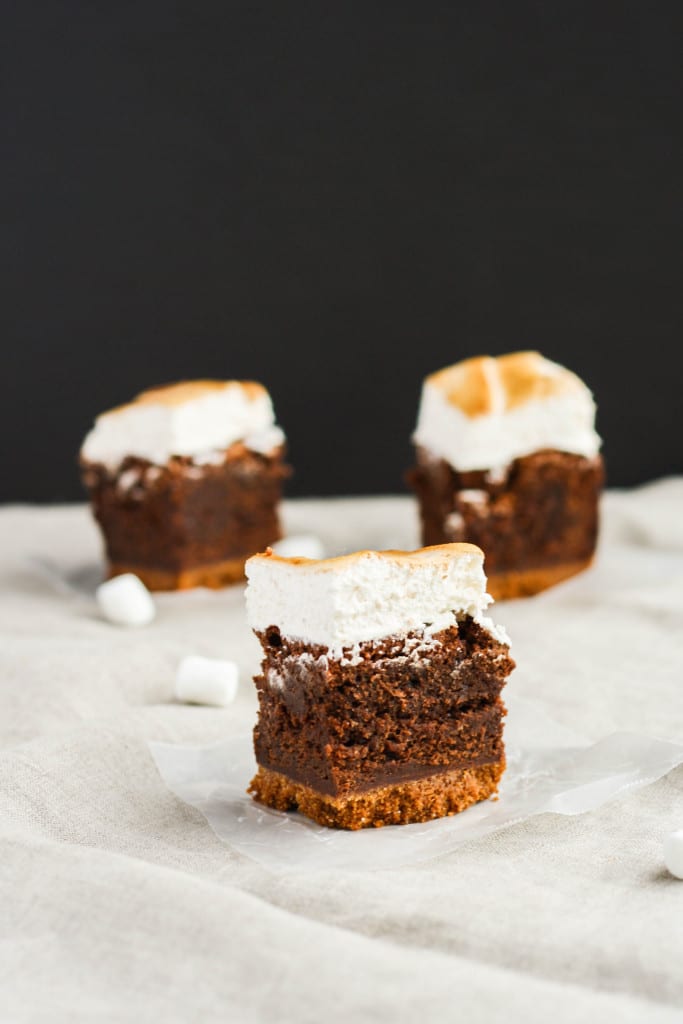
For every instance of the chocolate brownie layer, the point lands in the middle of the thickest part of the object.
(541, 513)
(439, 795)
(170, 522)
(385, 712)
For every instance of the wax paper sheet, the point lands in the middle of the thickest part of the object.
(550, 770)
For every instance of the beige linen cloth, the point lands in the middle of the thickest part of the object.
(119, 903)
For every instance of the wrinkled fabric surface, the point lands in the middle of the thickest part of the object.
(120, 903)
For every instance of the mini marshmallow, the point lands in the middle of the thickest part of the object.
(126, 601)
(673, 853)
(206, 681)
(304, 546)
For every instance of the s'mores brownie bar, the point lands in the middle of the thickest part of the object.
(185, 482)
(379, 692)
(507, 458)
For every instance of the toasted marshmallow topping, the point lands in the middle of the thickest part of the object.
(340, 602)
(485, 412)
(191, 418)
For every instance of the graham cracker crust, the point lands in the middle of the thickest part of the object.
(504, 586)
(437, 796)
(215, 576)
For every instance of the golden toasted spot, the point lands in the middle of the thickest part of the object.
(465, 385)
(526, 376)
(187, 391)
(487, 384)
(437, 552)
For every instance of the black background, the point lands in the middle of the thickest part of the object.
(336, 199)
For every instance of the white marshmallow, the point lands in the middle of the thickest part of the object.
(303, 546)
(673, 853)
(522, 404)
(195, 418)
(339, 602)
(126, 601)
(202, 680)
(265, 441)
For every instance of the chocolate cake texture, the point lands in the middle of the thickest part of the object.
(507, 458)
(403, 726)
(190, 517)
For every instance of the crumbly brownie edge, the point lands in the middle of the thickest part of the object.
(215, 576)
(540, 515)
(184, 525)
(438, 796)
(386, 712)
